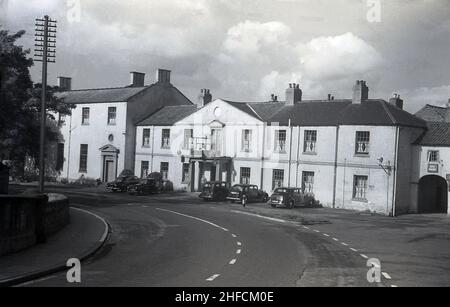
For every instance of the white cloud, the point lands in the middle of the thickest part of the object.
(335, 57)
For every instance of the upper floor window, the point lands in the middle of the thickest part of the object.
(246, 140)
(165, 139)
(188, 138)
(362, 142)
(85, 116)
(433, 156)
(309, 145)
(280, 140)
(360, 184)
(112, 115)
(146, 137)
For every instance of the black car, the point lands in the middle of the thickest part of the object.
(146, 186)
(215, 191)
(245, 193)
(290, 198)
(122, 183)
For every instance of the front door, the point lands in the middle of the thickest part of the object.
(110, 172)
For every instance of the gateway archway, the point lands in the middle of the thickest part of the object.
(433, 194)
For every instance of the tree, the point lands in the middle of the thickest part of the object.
(20, 103)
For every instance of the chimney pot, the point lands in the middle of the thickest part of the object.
(293, 94)
(396, 101)
(204, 98)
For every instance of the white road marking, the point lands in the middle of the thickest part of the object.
(234, 236)
(239, 243)
(336, 239)
(345, 244)
(386, 275)
(194, 218)
(261, 216)
(355, 250)
(315, 230)
(394, 286)
(213, 277)
(306, 227)
(326, 235)
(233, 261)
(238, 251)
(105, 232)
(364, 256)
(144, 206)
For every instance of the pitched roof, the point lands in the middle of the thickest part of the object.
(432, 113)
(168, 116)
(119, 94)
(438, 134)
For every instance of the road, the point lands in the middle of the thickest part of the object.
(179, 241)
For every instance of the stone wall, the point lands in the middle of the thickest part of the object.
(29, 219)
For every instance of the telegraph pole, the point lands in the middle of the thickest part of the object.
(45, 52)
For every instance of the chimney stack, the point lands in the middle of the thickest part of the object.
(163, 76)
(360, 92)
(65, 83)
(273, 98)
(396, 101)
(293, 94)
(137, 79)
(204, 98)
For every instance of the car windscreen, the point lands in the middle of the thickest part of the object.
(281, 191)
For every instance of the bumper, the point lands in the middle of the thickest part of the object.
(233, 198)
(276, 202)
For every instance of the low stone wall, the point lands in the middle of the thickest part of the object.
(28, 219)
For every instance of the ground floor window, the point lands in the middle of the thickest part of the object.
(277, 178)
(360, 184)
(165, 170)
(144, 169)
(308, 182)
(185, 174)
(83, 158)
(245, 175)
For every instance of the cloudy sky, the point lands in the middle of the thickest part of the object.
(245, 50)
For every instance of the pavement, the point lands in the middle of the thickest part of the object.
(81, 239)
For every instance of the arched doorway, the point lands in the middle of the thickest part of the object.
(433, 194)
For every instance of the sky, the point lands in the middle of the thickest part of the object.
(245, 50)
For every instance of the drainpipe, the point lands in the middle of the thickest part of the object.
(394, 194)
(262, 154)
(153, 148)
(68, 154)
(335, 166)
(290, 153)
(298, 157)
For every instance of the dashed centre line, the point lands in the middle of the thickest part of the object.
(386, 275)
(233, 261)
(213, 277)
(364, 256)
(238, 251)
(239, 243)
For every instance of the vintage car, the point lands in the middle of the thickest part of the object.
(245, 193)
(290, 198)
(215, 191)
(122, 183)
(153, 184)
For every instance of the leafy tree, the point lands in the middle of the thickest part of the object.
(20, 103)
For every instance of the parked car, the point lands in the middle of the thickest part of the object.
(154, 183)
(122, 183)
(245, 193)
(290, 198)
(215, 191)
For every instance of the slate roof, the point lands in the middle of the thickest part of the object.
(119, 94)
(168, 116)
(432, 113)
(438, 134)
